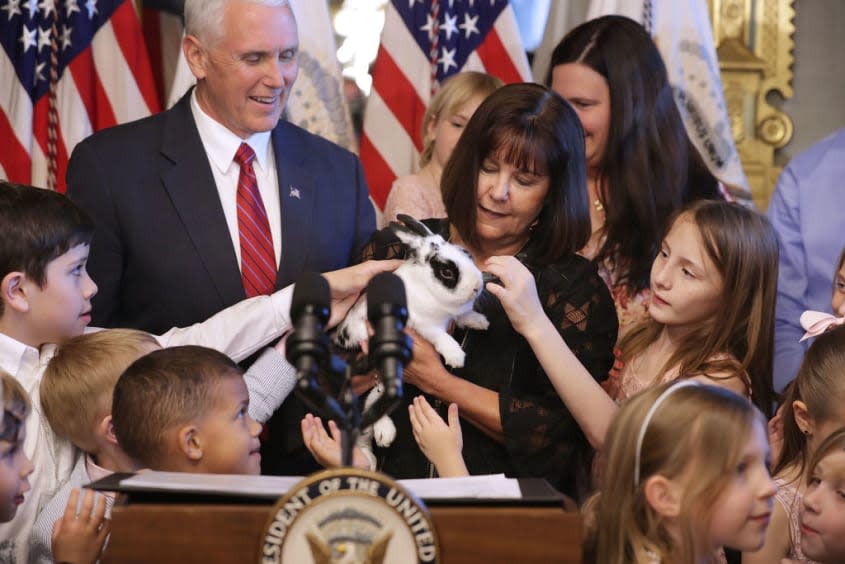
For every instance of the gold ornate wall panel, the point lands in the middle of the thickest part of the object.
(754, 44)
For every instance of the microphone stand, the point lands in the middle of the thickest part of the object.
(347, 411)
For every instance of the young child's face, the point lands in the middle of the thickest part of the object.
(447, 129)
(686, 287)
(838, 299)
(823, 514)
(15, 469)
(741, 514)
(62, 308)
(229, 434)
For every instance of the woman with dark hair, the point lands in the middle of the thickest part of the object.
(514, 185)
(641, 165)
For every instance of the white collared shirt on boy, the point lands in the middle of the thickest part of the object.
(238, 331)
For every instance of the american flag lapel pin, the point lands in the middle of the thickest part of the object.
(294, 192)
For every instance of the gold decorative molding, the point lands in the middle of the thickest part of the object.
(754, 45)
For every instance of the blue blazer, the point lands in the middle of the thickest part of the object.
(162, 255)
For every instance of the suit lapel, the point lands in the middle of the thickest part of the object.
(297, 199)
(190, 185)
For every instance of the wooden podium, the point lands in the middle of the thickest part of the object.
(211, 530)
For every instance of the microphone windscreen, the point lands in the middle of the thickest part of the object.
(385, 293)
(311, 289)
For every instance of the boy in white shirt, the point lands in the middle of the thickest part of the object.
(45, 299)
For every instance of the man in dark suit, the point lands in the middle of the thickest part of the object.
(168, 246)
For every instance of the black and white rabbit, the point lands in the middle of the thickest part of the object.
(441, 284)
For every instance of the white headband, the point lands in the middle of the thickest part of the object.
(644, 427)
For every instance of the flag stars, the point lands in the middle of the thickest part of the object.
(447, 59)
(47, 6)
(28, 38)
(39, 73)
(32, 7)
(65, 40)
(43, 38)
(449, 26)
(91, 6)
(70, 7)
(13, 8)
(469, 26)
(429, 27)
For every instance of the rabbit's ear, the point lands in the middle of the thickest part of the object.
(414, 225)
(410, 238)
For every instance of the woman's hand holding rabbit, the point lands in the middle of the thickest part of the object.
(426, 370)
(517, 292)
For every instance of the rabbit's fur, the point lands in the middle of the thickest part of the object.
(441, 285)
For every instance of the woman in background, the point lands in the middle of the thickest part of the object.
(641, 166)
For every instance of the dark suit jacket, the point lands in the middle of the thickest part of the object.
(162, 255)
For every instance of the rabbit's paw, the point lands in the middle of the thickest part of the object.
(384, 431)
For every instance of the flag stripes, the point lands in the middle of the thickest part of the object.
(423, 43)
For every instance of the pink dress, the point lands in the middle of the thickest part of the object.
(630, 309)
(413, 195)
(790, 498)
(625, 382)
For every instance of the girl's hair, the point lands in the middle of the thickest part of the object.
(743, 247)
(693, 425)
(643, 171)
(819, 384)
(455, 92)
(532, 128)
(834, 442)
(841, 261)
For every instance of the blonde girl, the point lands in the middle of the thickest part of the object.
(813, 407)
(823, 511)
(711, 316)
(686, 469)
(418, 195)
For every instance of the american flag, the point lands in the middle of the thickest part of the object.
(423, 43)
(68, 68)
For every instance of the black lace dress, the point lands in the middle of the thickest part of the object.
(541, 437)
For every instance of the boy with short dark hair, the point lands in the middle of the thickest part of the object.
(45, 299)
(185, 409)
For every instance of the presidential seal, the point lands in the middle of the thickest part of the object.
(348, 516)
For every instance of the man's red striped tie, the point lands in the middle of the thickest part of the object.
(258, 263)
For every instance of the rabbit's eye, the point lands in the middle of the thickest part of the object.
(446, 271)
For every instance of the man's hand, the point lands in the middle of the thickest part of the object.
(347, 284)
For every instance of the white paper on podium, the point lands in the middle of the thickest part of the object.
(490, 486)
(493, 486)
(238, 484)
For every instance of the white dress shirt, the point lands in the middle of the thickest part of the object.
(237, 331)
(220, 146)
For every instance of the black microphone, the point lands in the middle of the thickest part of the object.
(307, 347)
(390, 347)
